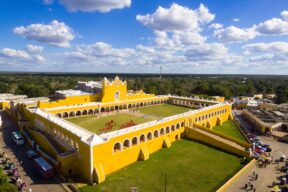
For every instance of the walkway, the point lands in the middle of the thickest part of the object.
(265, 175)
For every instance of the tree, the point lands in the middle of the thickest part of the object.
(7, 187)
(282, 94)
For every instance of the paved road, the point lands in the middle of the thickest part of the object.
(265, 175)
(17, 154)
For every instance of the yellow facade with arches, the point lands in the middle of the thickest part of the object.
(76, 151)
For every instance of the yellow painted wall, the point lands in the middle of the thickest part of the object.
(80, 166)
(105, 161)
(70, 100)
(44, 143)
(4, 105)
(111, 161)
(109, 89)
(139, 95)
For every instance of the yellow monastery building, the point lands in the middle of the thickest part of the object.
(73, 150)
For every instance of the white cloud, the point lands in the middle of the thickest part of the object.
(177, 26)
(216, 26)
(92, 5)
(101, 49)
(236, 19)
(204, 16)
(55, 33)
(234, 34)
(177, 18)
(213, 51)
(12, 55)
(273, 26)
(34, 49)
(273, 47)
(186, 38)
(284, 15)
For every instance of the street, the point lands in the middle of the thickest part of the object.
(17, 155)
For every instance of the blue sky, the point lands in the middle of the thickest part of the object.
(189, 36)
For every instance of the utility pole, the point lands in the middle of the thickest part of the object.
(165, 189)
(160, 71)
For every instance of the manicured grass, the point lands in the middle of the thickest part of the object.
(230, 129)
(188, 165)
(164, 110)
(95, 124)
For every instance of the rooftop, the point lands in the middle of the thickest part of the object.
(72, 92)
(93, 84)
(270, 117)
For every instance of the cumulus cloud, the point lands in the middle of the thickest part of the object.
(234, 34)
(276, 47)
(211, 51)
(216, 26)
(273, 26)
(12, 55)
(92, 5)
(101, 49)
(284, 15)
(236, 19)
(204, 16)
(176, 18)
(186, 38)
(55, 33)
(34, 48)
(177, 26)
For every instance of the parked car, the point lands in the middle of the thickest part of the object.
(258, 150)
(31, 154)
(17, 138)
(265, 145)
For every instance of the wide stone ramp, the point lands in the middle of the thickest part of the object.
(217, 141)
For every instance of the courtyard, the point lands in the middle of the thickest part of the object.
(98, 124)
(115, 121)
(163, 110)
(188, 166)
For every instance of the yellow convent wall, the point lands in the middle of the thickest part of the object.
(114, 90)
(93, 159)
(70, 100)
(4, 105)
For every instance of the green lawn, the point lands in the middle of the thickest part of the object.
(164, 110)
(189, 166)
(95, 124)
(230, 129)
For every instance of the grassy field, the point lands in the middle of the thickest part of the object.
(188, 165)
(95, 124)
(164, 110)
(230, 129)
